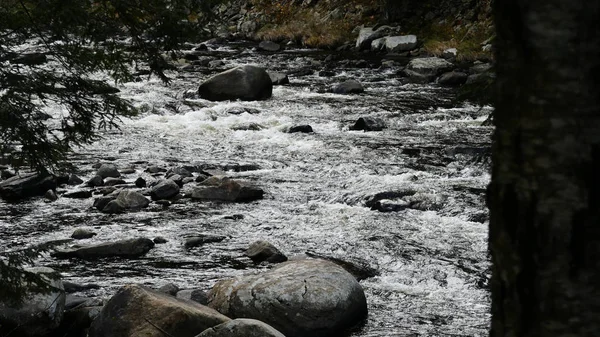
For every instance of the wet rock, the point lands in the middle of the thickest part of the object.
(299, 298)
(101, 202)
(226, 190)
(177, 179)
(300, 72)
(369, 124)
(26, 185)
(247, 83)
(279, 78)
(159, 240)
(77, 320)
(234, 217)
(241, 327)
(71, 287)
(130, 248)
(453, 78)
(50, 195)
(169, 289)
(132, 200)
(260, 251)
(114, 181)
(359, 268)
(301, 128)
(74, 180)
(480, 68)
(348, 87)
(247, 127)
(165, 189)
(155, 169)
(38, 314)
(140, 182)
(128, 312)
(114, 207)
(196, 295)
(6, 174)
(108, 171)
(216, 63)
(399, 44)
(269, 46)
(82, 233)
(326, 73)
(429, 66)
(181, 171)
(30, 59)
(128, 170)
(78, 194)
(202, 239)
(95, 181)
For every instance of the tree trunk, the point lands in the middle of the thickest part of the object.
(544, 197)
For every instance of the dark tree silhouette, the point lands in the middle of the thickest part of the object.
(544, 197)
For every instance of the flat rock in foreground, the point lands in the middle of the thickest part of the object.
(134, 309)
(300, 298)
(130, 248)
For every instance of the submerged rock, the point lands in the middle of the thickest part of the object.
(130, 310)
(130, 248)
(27, 185)
(246, 83)
(301, 129)
(241, 327)
(202, 239)
(299, 298)
(82, 233)
(269, 46)
(39, 313)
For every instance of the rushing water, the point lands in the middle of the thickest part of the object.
(432, 256)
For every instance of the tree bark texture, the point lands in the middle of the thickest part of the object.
(544, 197)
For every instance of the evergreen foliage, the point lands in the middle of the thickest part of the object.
(57, 55)
(50, 52)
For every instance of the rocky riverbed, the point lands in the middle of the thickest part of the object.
(405, 198)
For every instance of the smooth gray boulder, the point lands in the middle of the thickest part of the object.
(130, 248)
(261, 250)
(38, 314)
(398, 44)
(26, 185)
(108, 171)
(241, 327)
(378, 44)
(348, 87)
(246, 83)
(128, 312)
(429, 66)
(225, 189)
(165, 189)
(300, 298)
(132, 200)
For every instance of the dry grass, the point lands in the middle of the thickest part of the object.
(466, 39)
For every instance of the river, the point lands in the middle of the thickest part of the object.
(431, 254)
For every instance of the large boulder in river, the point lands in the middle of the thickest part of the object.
(137, 311)
(241, 327)
(38, 314)
(26, 185)
(225, 189)
(165, 189)
(130, 248)
(300, 298)
(246, 83)
(366, 36)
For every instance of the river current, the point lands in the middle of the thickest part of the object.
(431, 254)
